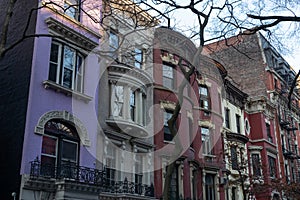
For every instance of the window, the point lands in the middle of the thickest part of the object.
(138, 58)
(233, 193)
(268, 129)
(255, 165)
(118, 96)
(204, 98)
(66, 66)
(168, 77)
(132, 105)
(72, 8)
(238, 123)
(210, 187)
(128, 104)
(272, 166)
(110, 165)
(234, 158)
(167, 132)
(227, 118)
(138, 174)
(113, 44)
(60, 147)
(206, 143)
(174, 186)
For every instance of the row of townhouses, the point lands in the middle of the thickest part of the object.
(86, 103)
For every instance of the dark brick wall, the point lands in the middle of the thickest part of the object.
(15, 70)
(244, 62)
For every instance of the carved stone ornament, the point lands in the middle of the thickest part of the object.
(65, 115)
(169, 58)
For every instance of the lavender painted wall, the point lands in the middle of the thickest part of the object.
(43, 100)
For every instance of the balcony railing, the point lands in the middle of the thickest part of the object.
(89, 176)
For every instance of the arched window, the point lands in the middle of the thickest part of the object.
(60, 146)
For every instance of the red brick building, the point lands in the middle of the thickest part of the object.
(199, 171)
(271, 125)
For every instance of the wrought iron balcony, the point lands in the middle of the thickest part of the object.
(90, 176)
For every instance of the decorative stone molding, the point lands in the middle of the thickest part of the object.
(169, 58)
(255, 148)
(69, 33)
(207, 124)
(65, 115)
(167, 105)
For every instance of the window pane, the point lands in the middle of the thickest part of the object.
(234, 161)
(167, 133)
(256, 165)
(69, 57)
(79, 74)
(138, 58)
(49, 145)
(203, 91)
(67, 79)
(168, 71)
(118, 102)
(72, 8)
(53, 72)
(113, 41)
(132, 105)
(54, 52)
(69, 151)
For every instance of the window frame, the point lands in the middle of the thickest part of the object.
(76, 5)
(227, 118)
(168, 79)
(234, 157)
(238, 123)
(167, 132)
(210, 189)
(255, 165)
(206, 141)
(268, 131)
(272, 166)
(138, 62)
(204, 98)
(58, 67)
(61, 138)
(114, 44)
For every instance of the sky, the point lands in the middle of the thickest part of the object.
(185, 20)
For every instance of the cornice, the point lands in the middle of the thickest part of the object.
(70, 33)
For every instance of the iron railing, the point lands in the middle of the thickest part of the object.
(89, 176)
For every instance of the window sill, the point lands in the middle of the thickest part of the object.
(127, 126)
(169, 142)
(58, 88)
(209, 155)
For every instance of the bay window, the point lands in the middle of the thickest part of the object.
(128, 103)
(66, 66)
